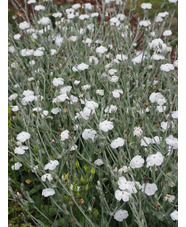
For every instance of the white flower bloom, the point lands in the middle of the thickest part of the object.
(145, 141)
(175, 114)
(114, 79)
(174, 214)
(98, 162)
(91, 104)
(23, 136)
(145, 23)
(58, 41)
(101, 50)
(82, 66)
(156, 140)
(64, 135)
(89, 134)
(137, 131)
(51, 165)
(17, 36)
(48, 192)
(171, 141)
(106, 125)
(15, 108)
(119, 142)
(110, 109)
(13, 97)
(85, 87)
(167, 67)
(154, 159)
(149, 189)
(114, 21)
(121, 215)
(58, 14)
(39, 7)
(55, 110)
(167, 33)
(31, 1)
(158, 57)
(93, 60)
(20, 150)
(16, 166)
(24, 25)
(122, 195)
(164, 14)
(76, 6)
(53, 52)
(47, 176)
(169, 198)
(100, 92)
(116, 93)
(76, 82)
(44, 21)
(146, 5)
(137, 162)
(173, 1)
(58, 81)
(121, 57)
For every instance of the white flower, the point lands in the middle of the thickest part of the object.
(23, 136)
(53, 51)
(146, 5)
(175, 114)
(76, 6)
(48, 192)
(39, 7)
(111, 108)
(100, 92)
(114, 21)
(156, 140)
(51, 165)
(58, 81)
(114, 79)
(16, 166)
(116, 93)
(31, 1)
(44, 21)
(137, 131)
(145, 23)
(170, 198)
(82, 66)
(158, 57)
(122, 195)
(76, 82)
(171, 141)
(85, 87)
(137, 162)
(106, 125)
(72, 38)
(121, 57)
(149, 189)
(154, 159)
(17, 36)
(24, 25)
(158, 98)
(119, 142)
(88, 6)
(13, 97)
(93, 60)
(174, 214)
(91, 104)
(20, 150)
(55, 110)
(64, 135)
(15, 108)
(58, 14)
(145, 141)
(58, 41)
(164, 14)
(167, 67)
(121, 215)
(98, 162)
(89, 134)
(173, 1)
(167, 33)
(47, 176)
(101, 50)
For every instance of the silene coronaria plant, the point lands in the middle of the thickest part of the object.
(93, 115)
